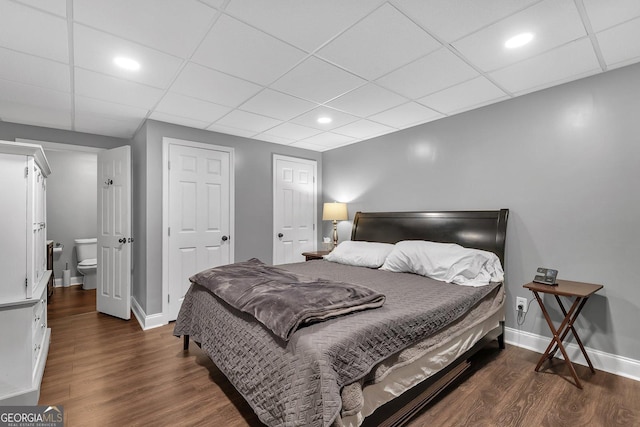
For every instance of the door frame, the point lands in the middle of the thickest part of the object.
(166, 141)
(274, 171)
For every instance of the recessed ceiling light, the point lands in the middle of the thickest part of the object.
(126, 63)
(324, 120)
(519, 40)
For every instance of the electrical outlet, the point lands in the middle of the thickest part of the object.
(521, 304)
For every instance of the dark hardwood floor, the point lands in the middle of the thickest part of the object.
(106, 371)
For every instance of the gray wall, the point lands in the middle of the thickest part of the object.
(139, 212)
(253, 197)
(565, 161)
(71, 203)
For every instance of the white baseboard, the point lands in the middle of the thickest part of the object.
(74, 281)
(618, 365)
(146, 321)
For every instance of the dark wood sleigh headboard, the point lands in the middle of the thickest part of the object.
(484, 230)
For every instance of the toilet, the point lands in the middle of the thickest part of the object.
(87, 250)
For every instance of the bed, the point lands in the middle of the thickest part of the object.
(371, 367)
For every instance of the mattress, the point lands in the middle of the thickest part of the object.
(421, 361)
(300, 382)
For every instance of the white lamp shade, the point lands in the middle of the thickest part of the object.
(334, 212)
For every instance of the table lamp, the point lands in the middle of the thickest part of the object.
(335, 212)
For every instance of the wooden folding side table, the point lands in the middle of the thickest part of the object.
(581, 292)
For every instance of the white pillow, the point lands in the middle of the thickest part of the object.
(447, 262)
(360, 254)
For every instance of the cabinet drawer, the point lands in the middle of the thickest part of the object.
(42, 302)
(39, 320)
(37, 349)
(38, 326)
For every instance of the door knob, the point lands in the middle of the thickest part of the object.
(280, 235)
(225, 238)
(123, 240)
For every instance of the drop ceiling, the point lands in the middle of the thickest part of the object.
(269, 69)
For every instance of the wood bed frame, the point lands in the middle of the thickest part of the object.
(484, 230)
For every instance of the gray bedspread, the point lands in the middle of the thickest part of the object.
(282, 300)
(298, 383)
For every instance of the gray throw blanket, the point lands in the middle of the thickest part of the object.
(282, 300)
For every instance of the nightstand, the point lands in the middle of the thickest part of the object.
(308, 256)
(581, 292)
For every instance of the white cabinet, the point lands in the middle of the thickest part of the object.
(25, 345)
(24, 335)
(23, 172)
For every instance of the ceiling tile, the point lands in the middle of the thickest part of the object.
(292, 131)
(274, 139)
(172, 26)
(97, 107)
(177, 120)
(277, 105)
(29, 69)
(370, 53)
(214, 3)
(405, 115)
(464, 96)
(572, 61)
(213, 86)
(57, 118)
(107, 88)
(308, 146)
(338, 118)
(451, 19)
(247, 121)
(328, 140)
(363, 129)
(605, 14)
(317, 81)
(58, 7)
(241, 50)
(617, 53)
(231, 131)
(553, 23)
(429, 74)
(304, 23)
(185, 106)
(118, 128)
(32, 31)
(366, 100)
(19, 93)
(95, 50)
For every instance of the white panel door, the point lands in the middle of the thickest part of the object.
(294, 208)
(113, 295)
(199, 216)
